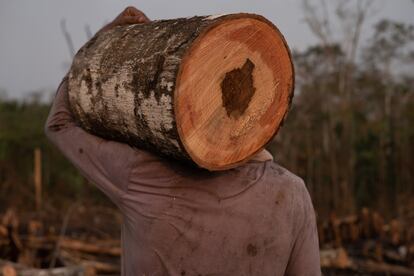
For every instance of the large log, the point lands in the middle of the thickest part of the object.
(211, 89)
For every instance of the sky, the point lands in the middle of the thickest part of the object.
(34, 55)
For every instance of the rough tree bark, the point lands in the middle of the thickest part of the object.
(123, 84)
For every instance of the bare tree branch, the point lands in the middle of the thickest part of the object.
(88, 31)
(68, 37)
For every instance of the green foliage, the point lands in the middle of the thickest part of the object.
(21, 131)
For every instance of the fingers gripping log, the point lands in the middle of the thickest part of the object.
(212, 90)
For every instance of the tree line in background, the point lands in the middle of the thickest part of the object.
(21, 133)
(349, 133)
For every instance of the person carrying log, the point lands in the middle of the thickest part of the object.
(255, 218)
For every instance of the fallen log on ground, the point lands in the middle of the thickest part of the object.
(14, 269)
(97, 247)
(338, 260)
(212, 90)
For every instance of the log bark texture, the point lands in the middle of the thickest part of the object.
(122, 82)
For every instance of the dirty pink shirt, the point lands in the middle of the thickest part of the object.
(256, 219)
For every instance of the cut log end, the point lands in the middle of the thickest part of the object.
(213, 90)
(233, 90)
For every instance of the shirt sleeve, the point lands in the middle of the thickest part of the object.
(103, 162)
(304, 258)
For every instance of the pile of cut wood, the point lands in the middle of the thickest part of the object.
(75, 244)
(32, 246)
(366, 243)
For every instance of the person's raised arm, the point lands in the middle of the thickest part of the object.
(104, 162)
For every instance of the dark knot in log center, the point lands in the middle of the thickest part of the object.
(237, 89)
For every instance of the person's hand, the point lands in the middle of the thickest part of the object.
(130, 15)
